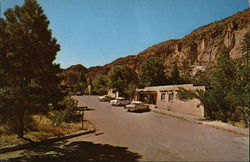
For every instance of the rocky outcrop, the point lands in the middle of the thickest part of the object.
(197, 49)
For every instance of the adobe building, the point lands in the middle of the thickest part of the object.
(164, 97)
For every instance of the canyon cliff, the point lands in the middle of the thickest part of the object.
(195, 51)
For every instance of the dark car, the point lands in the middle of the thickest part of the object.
(78, 93)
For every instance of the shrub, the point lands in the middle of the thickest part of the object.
(68, 114)
(241, 114)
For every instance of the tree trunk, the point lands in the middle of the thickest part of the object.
(20, 125)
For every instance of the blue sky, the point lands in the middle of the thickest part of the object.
(96, 32)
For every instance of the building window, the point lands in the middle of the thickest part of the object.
(163, 95)
(170, 96)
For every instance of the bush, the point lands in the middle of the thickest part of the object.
(68, 114)
(241, 114)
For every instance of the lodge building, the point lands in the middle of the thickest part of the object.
(165, 97)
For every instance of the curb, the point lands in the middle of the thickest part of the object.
(224, 129)
(175, 116)
(203, 123)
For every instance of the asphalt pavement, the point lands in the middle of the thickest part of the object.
(155, 137)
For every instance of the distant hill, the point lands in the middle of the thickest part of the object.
(197, 49)
(71, 75)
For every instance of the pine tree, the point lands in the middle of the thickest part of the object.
(152, 72)
(175, 78)
(28, 75)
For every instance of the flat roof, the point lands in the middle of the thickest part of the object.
(164, 87)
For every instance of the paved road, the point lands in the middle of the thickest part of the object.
(156, 137)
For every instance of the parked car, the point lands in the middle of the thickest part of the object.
(104, 98)
(137, 106)
(78, 93)
(119, 101)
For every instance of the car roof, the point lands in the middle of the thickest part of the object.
(136, 102)
(120, 98)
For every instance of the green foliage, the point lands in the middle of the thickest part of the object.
(119, 78)
(68, 112)
(152, 72)
(200, 78)
(130, 90)
(28, 75)
(80, 87)
(175, 78)
(100, 84)
(229, 88)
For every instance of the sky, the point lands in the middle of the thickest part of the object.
(96, 32)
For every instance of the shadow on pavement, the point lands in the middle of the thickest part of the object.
(78, 151)
(140, 111)
(89, 109)
(33, 144)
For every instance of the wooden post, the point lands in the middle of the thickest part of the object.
(82, 119)
(82, 108)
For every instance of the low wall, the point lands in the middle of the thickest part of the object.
(191, 107)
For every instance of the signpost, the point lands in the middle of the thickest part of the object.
(82, 109)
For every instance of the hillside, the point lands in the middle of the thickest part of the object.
(72, 74)
(197, 49)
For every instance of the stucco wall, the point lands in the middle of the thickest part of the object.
(191, 107)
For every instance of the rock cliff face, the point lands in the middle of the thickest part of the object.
(197, 49)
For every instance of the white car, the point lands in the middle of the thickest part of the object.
(137, 106)
(119, 101)
(104, 98)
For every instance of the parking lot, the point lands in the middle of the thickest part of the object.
(158, 137)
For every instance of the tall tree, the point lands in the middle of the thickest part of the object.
(81, 84)
(242, 87)
(100, 84)
(152, 72)
(119, 77)
(130, 90)
(175, 78)
(245, 46)
(28, 75)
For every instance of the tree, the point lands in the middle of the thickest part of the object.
(100, 84)
(130, 90)
(29, 83)
(119, 77)
(228, 92)
(81, 84)
(245, 46)
(175, 78)
(152, 73)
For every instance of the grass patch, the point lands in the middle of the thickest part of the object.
(42, 128)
